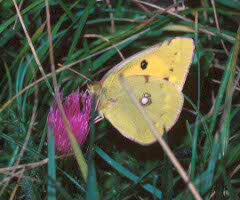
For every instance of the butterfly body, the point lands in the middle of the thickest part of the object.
(156, 77)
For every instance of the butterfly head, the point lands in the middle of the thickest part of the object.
(95, 88)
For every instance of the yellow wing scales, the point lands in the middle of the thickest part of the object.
(124, 115)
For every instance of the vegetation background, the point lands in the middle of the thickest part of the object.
(205, 140)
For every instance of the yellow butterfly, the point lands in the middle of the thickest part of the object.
(156, 77)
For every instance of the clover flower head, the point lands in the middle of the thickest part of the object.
(77, 107)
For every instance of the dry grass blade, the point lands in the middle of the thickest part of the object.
(217, 25)
(111, 17)
(185, 19)
(80, 159)
(165, 10)
(30, 166)
(17, 185)
(74, 71)
(113, 46)
(25, 166)
(30, 43)
(161, 141)
(104, 39)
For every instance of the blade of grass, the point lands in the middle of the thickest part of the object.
(163, 144)
(51, 166)
(31, 8)
(203, 121)
(92, 188)
(10, 86)
(210, 172)
(105, 57)
(42, 140)
(231, 3)
(132, 187)
(78, 32)
(34, 152)
(76, 149)
(26, 141)
(196, 130)
(67, 10)
(107, 47)
(202, 28)
(234, 115)
(231, 191)
(223, 86)
(26, 47)
(226, 117)
(98, 62)
(31, 45)
(125, 172)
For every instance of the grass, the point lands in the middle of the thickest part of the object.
(90, 37)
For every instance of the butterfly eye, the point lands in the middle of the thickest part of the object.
(144, 64)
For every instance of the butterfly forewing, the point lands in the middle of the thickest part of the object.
(169, 60)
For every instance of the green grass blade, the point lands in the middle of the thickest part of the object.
(210, 172)
(26, 47)
(31, 8)
(230, 3)
(233, 194)
(79, 157)
(222, 89)
(125, 172)
(10, 86)
(225, 133)
(92, 188)
(82, 22)
(51, 166)
(66, 9)
(196, 129)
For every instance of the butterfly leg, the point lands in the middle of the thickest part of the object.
(99, 118)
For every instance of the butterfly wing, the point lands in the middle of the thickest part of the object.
(161, 100)
(169, 60)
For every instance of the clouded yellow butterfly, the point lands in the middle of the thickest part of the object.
(156, 76)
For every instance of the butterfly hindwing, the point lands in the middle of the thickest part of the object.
(161, 100)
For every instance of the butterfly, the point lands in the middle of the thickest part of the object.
(156, 77)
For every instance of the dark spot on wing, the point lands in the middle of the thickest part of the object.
(144, 64)
(175, 53)
(171, 69)
(166, 78)
(146, 78)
